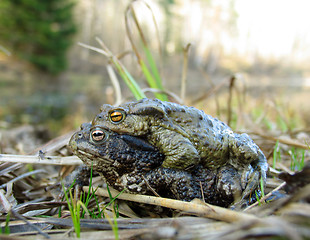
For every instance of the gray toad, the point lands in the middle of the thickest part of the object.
(188, 137)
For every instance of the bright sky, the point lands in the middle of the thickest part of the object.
(274, 27)
(270, 28)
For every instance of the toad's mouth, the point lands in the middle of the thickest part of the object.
(88, 158)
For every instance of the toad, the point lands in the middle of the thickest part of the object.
(131, 163)
(188, 137)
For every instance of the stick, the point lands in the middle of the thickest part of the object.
(48, 160)
(207, 210)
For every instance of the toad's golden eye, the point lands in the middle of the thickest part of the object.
(117, 116)
(98, 135)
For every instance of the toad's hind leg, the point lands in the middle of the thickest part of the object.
(173, 183)
(254, 178)
(252, 162)
(228, 183)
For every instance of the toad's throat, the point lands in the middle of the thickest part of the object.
(91, 157)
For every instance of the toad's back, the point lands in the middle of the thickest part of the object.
(210, 136)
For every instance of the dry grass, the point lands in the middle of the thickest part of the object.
(33, 206)
(30, 190)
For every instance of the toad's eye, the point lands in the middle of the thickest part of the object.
(98, 135)
(117, 116)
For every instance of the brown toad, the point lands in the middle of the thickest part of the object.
(188, 137)
(132, 163)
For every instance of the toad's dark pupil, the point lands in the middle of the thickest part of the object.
(98, 135)
(116, 116)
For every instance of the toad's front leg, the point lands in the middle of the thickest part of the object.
(179, 152)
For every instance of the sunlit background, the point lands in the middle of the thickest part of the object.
(265, 42)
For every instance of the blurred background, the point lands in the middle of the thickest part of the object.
(46, 78)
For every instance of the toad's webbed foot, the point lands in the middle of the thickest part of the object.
(246, 155)
(254, 179)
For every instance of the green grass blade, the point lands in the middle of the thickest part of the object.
(7, 220)
(75, 214)
(262, 187)
(302, 163)
(90, 194)
(115, 226)
(129, 80)
(275, 154)
(111, 198)
(153, 67)
(257, 198)
(74, 211)
(153, 79)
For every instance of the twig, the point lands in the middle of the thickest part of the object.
(281, 139)
(129, 33)
(23, 176)
(5, 203)
(20, 217)
(115, 84)
(51, 160)
(98, 50)
(241, 97)
(3, 49)
(54, 144)
(214, 89)
(170, 94)
(265, 197)
(8, 167)
(229, 103)
(149, 186)
(184, 71)
(202, 194)
(8, 208)
(207, 210)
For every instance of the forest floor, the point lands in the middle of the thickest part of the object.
(30, 192)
